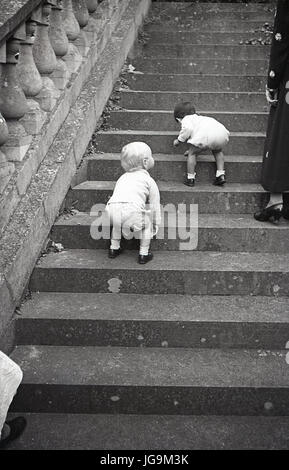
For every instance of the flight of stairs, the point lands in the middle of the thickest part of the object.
(188, 351)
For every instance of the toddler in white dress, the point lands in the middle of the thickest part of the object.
(134, 208)
(201, 133)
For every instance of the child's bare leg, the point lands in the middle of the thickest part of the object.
(220, 164)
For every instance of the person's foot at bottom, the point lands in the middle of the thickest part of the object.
(271, 213)
(13, 429)
(143, 259)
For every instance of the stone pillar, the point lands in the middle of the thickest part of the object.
(92, 27)
(73, 58)
(82, 16)
(6, 168)
(60, 44)
(13, 105)
(30, 81)
(45, 58)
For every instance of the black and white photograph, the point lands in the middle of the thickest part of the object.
(144, 228)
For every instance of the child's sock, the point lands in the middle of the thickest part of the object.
(115, 244)
(191, 176)
(219, 173)
(144, 250)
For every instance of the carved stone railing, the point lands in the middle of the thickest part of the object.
(43, 45)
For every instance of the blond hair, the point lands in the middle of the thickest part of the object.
(132, 155)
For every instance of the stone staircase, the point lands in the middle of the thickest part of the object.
(187, 352)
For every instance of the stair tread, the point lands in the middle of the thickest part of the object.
(169, 308)
(149, 367)
(173, 133)
(137, 432)
(163, 157)
(177, 186)
(169, 261)
(222, 221)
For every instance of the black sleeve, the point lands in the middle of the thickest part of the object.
(280, 45)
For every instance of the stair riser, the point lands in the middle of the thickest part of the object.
(136, 281)
(209, 239)
(151, 121)
(202, 67)
(198, 11)
(150, 400)
(191, 37)
(209, 202)
(236, 172)
(189, 83)
(128, 333)
(238, 145)
(202, 101)
(218, 25)
(183, 6)
(154, 50)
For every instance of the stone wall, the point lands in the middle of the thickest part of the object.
(59, 61)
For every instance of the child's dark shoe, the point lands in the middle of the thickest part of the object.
(220, 180)
(143, 259)
(114, 253)
(189, 182)
(17, 426)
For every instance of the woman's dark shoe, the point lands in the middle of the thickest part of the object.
(220, 180)
(270, 214)
(114, 253)
(143, 259)
(17, 426)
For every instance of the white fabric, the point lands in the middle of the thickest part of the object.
(10, 379)
(140, 189)
(125, 217)
(203, 132)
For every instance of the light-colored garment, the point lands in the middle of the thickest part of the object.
(140, 190)
(10, 378)
(203, 132)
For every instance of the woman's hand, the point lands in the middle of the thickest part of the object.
(176, 142)
(272, 96)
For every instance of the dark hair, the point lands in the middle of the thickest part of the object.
(184, 109)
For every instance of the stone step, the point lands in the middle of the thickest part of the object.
(168, 50)
(166, 100)
(188, 83)
(243, 6)
(151, 381)
(216, 37)
(202, 66)
(241, 143)
(215, 233)
(171, 272)
(188, 17)
(164, 121)
(190, 8)
(129, 320)
(239, 169)
(211, 25)
(48, 431)
(230, 199)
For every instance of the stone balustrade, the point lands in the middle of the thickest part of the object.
(43, 45)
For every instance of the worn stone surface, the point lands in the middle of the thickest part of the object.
(239, 169)
(142, 432)
(151, 380)
(138, 320)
